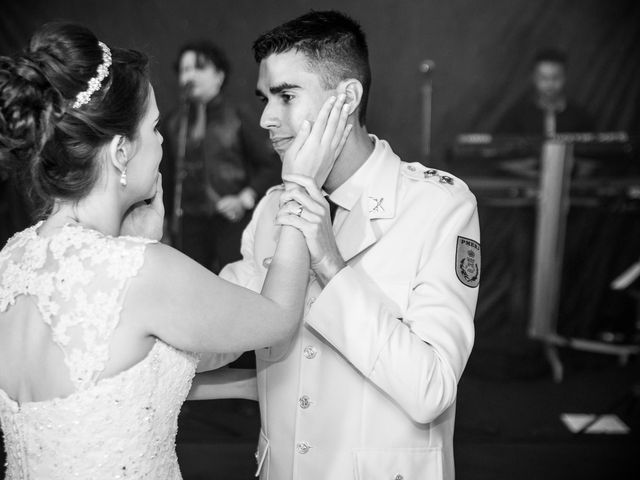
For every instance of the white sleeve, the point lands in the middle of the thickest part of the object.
(417, 361)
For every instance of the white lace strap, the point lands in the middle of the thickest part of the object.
(79, 277)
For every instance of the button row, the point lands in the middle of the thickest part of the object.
(304, 401)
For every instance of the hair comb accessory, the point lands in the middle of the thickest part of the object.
(96, 82)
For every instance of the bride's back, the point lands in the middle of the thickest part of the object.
(61, 298)
(63, 414)
(33, 367)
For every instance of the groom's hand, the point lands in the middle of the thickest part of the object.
(307, 210)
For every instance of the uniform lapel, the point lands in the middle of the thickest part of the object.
(362, 227)
(356, 233)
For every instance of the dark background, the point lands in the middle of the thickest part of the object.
(482, 51)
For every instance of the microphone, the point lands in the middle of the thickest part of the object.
(186, 90)
(427, 66)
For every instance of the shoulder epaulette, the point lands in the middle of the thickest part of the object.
(417, 171)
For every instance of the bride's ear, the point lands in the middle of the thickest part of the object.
(118, 152)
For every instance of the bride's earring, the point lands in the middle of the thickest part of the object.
(123, 177)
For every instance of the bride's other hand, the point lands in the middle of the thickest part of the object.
(145, 219)
(316, 148)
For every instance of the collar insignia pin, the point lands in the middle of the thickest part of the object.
(377, 204)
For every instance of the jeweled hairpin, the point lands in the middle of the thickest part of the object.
(96, 82)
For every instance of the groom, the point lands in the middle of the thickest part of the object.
(367, 386)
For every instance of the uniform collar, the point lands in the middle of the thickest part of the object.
(373, 184)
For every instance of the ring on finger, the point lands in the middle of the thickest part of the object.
(299, 212)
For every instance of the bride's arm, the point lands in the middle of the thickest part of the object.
(192, 309)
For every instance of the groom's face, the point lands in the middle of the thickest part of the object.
(291, 92)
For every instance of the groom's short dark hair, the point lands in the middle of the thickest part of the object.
(333, 43)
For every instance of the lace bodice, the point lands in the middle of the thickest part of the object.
(118, 427)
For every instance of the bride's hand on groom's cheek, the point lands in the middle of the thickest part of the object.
(316, 148)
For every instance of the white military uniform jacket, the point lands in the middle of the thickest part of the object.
(367, 387)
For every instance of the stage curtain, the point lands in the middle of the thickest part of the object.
(482, 52)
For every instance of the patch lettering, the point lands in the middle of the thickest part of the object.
(468, 262)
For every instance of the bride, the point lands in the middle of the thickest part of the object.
(97, 318)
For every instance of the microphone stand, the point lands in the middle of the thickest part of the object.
(180, 173)
(426, 68)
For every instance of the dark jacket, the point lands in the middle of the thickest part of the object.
(234, 154)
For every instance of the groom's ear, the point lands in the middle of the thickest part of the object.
(353, 90)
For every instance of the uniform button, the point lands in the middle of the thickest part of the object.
(312, 301)
(302, 447)
(304, 402)
(266, 262)
(398, 477)
(310, 352)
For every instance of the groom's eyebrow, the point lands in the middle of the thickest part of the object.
(276, 89)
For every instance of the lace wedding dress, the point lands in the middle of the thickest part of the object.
(122, 427)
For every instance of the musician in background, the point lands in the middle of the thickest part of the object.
(217, 162)
(546, 110)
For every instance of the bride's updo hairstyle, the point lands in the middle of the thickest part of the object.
(46, 134)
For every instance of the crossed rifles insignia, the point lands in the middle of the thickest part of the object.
(377, 204)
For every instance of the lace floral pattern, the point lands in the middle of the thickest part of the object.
(118, 427)
(79, 277)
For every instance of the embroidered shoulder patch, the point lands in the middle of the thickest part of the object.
(468, 262)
